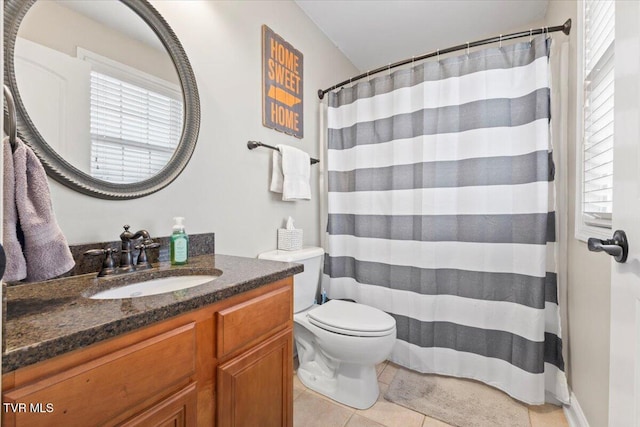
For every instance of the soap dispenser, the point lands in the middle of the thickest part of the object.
(179, 243)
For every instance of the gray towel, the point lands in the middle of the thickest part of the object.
(45, 248)
(16, 267)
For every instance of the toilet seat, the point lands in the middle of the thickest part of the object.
(353, 319)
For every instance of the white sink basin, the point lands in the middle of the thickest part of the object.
(154, 287)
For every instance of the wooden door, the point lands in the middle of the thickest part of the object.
(255, 388)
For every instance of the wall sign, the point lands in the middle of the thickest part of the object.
(281, 85)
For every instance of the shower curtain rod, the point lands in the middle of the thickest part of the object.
(565, 28)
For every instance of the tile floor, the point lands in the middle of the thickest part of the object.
(311, 409)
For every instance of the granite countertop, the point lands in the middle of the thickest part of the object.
(50, 318)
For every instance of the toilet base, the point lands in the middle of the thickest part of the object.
(341, 367)
(350, 384)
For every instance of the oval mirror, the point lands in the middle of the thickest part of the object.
(104, 93)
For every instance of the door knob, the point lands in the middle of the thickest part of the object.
(617, 247)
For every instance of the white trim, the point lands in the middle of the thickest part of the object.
(573, 413)
(126, 73)
(582, 230)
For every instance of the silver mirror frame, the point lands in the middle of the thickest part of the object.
(61, 170)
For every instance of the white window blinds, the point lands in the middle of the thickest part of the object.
(597, 155)
(134, 131)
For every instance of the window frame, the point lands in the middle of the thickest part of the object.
(130, 75)
(583, 230)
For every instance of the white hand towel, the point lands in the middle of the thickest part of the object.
(16, 268)
(277, 177)
(296, 173)
(45, 248)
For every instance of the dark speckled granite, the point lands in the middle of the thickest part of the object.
(199, 244)
(51, 318)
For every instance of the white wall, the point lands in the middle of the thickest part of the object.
(224, 188)
(50, 24)
(589, 274)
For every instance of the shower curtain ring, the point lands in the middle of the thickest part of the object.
(500, 46)
(389, 69)
(438, 54)
(467, 48)
(368, 78)
(530, 35)
(413, 58)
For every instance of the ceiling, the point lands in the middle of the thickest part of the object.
(372, 33)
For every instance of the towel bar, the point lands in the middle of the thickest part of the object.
(255, 144)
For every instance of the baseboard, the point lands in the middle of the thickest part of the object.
(573, 413)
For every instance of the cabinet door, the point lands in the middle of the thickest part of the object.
(255, 388)
(99, 391)
(177, 410)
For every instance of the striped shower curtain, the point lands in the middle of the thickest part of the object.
(441, 213)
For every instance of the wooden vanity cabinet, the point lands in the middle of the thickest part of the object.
(227, 364)
(255, 382)
(253, 388)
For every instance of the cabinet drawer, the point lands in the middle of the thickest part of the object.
(97, 391)
(242, 323)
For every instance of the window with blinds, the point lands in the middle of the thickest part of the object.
(597, 143)
(134, 130)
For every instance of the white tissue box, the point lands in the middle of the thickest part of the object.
(289, 240)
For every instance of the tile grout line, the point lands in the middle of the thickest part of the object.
(348, 419)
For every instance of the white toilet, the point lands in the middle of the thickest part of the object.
(339, 343)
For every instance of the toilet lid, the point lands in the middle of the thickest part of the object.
(353, 319)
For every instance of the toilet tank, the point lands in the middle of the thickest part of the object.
(305, 284)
